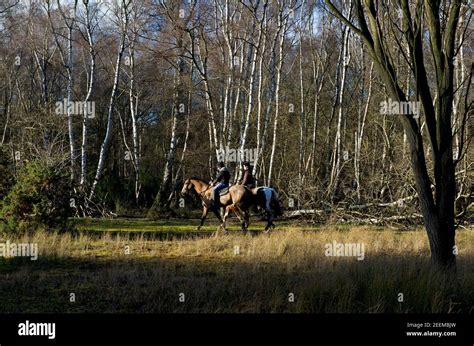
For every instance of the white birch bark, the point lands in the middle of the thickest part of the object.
(360, 134)
(67, 60)
(282, 27)
(105, 143)
(250, 99)
(336, 152)
(302, 110)
(263, 29)
(90, 88)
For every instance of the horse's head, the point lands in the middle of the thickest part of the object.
(187, 186)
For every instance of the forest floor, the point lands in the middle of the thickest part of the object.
(144, 266)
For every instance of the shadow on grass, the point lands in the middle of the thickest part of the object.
(234, 284)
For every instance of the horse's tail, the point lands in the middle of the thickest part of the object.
(275, 202)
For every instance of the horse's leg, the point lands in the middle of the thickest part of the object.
(205, 210)
(241, 216)
(269, 220)
(217, 213)
(268, 209)
(244, 217)
(228, 210)
(276, 210)
(247, 219)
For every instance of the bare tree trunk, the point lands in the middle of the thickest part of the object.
(262, 128)
(162, 201)
(179, 171)
(302, 113)
(319, 76)
(360, 134)
(90, 88)
(133, 102)
(251, 87)
(200, 62)
(70, 122)
(336, 152)
(7, 108)
(437, 209)
(105, 143)
(282, 26)
(68, 64)
(326, 160)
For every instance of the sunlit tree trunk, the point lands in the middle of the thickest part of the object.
(105, 143)
(90, 88)
(359, 135)
(282, 27)
(336, 151)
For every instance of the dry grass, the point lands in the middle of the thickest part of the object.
(259, 278)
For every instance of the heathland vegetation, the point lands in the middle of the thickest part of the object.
(146, 266)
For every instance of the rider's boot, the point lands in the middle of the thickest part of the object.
(215, 204)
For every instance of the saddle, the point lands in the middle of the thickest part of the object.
(255, 190)
(224, 191)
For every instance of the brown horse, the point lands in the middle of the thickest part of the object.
(265, 198)
(235, 200)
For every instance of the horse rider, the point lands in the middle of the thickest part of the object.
(222, 180)
(247, 178)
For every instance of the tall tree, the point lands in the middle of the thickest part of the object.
(122, 22)
(437, 208)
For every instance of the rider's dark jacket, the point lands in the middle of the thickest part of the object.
(223, 176)
(248, 179)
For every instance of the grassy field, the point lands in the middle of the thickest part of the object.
(145, 266)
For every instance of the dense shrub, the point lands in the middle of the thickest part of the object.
(40, 197)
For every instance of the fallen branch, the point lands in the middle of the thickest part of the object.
(398, 202)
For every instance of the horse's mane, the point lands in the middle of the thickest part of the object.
(198, 179)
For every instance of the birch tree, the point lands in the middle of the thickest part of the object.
(256, 49)
(89, 15)
(122, 23)
(178, 23)
(69, 18)
(282, 26)
(336, 150)
(359, 134)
